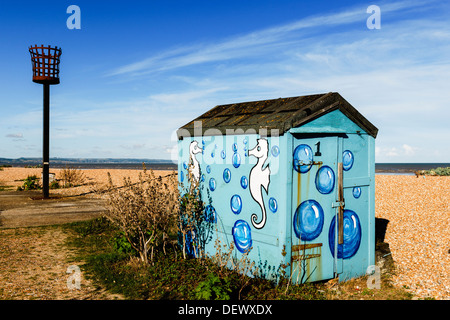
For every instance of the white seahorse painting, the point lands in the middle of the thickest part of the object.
(259, 178)
(195, 166)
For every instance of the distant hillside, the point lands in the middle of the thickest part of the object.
(81, 160)
(87, 163)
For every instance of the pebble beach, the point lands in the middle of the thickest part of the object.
(418, 231)
(417, 210)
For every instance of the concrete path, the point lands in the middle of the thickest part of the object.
(27, 209)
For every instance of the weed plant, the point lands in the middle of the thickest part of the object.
(144, 212)
(440, 171)
(30, 183)
(71, 177)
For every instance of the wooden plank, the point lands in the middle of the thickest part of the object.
(341, 199)
(305, 246)
(305, 257)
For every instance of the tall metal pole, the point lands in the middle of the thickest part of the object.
(45, 61)
(45, 155)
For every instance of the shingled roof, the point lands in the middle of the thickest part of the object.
(282, 114)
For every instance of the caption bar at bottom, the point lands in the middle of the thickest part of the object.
(232, 309)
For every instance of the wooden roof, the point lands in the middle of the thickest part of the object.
(282, 114)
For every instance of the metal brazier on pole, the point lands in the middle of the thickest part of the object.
(45, 61)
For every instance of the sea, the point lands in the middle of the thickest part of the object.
(406, 168)
(380, 168)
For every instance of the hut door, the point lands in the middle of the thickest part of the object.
(315, 197)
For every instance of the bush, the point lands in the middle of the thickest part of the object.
(71, 177)
(30, 183)
(213, 288)
(145, 212)
(195, 221)
(122, 245)
(438, 171)
(54, 184)
(190, 235)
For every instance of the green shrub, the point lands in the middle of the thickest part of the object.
(439, 171)
(122, 245)
(54, 185)
(30, 183)
(213, 288)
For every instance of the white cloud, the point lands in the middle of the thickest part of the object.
(253, 44)
(15, 135)
(402, 153)
(408, 150)
(135, 146)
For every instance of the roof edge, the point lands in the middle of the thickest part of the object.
(320, 106)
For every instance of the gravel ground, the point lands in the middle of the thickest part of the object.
(418, 232)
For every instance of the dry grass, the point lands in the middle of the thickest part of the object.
(71, 177)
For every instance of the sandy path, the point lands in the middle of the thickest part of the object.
(34, 263)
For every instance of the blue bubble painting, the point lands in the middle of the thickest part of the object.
(244, 182)
(210, 214)
(242, 235)
(275, 151)
(352, 235)
(347, 160)
(356, 192)
(303, 158)
(226, 175)
(325, 180)
(236, 159)
(236, 204)
(191, 247)
(212, 184)
(273, 205)
(308, 220)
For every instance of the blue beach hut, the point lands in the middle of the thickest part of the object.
(290, 181)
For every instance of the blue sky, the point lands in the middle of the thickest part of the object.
(138, 70)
